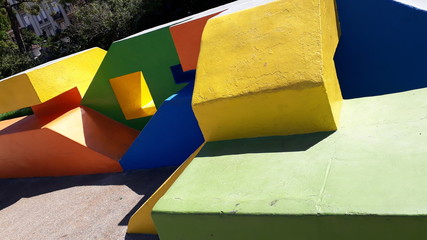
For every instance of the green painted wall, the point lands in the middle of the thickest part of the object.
(153, 53)
(342, 185)
(260, 227)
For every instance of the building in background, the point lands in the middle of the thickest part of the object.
(52, 18)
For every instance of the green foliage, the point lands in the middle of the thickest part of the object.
(95, 23)
(99, 23)
(4, 21)
(14, 62)
(18, 113)
(30, 38)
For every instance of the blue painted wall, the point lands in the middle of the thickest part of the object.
(382, 49)
(181, 76)
(169, 138)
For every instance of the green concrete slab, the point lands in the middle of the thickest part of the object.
(152, 52)
(365, 181)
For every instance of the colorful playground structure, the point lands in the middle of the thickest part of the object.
(290, 119)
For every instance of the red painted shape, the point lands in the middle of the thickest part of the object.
(44, 113)
(187, 37)
(59, 104)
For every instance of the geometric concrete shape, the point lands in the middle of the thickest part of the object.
(95, 131)
(365, 181)
(381, 53)
(186, 37)
(79, 141)
(170, 136)
(151, 52)
(266, 68)
(44, 82)
(43, 152)
(187, 34)
(59, 104)
(133, 95)
(141, 221)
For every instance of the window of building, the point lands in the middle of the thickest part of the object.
(27, 20)
(44, 14)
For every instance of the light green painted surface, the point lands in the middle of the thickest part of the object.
(374, 165)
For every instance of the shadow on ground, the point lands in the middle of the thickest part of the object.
(142, 182)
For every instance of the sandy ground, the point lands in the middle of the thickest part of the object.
(76, 207)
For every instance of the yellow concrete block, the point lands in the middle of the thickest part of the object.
(141, 221)
(133, 95)
(44, 82)
(268, 70)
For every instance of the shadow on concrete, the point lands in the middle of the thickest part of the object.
(141, 237)
(293, 143)
(142, 182)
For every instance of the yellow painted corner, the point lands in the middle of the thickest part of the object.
(330, 38)
(272, 46)
(17, 92)
(141, 221)
(61, 75)
(277, 77)
(283, 112)
(69, 125)
(133, 95)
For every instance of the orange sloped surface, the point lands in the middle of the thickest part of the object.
(44, 152)
(80, 141)
(95, 131)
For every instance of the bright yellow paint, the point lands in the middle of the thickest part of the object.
(330, 38)
(268, 71)
(46, 81)
(141, 221)
(133, 95)
(17, 92)
(62, 125)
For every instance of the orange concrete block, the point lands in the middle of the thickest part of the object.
(95, 131)
(59, 104)
(186, 37)
(81, 141)
(43, 152)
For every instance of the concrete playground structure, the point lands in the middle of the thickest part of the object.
(285, 119)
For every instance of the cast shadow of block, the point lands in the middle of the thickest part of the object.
(292, 143)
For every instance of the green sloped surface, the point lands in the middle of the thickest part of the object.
(365, 181)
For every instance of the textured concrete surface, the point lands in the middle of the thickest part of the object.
(77, 207)
(268, 71)
(365, 181)
(46, 81)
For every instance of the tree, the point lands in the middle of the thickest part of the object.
(98, 24)
(31, 6)
(12, 60)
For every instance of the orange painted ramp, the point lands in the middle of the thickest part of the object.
(43, 152)
(95, 131)
(80, 141)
